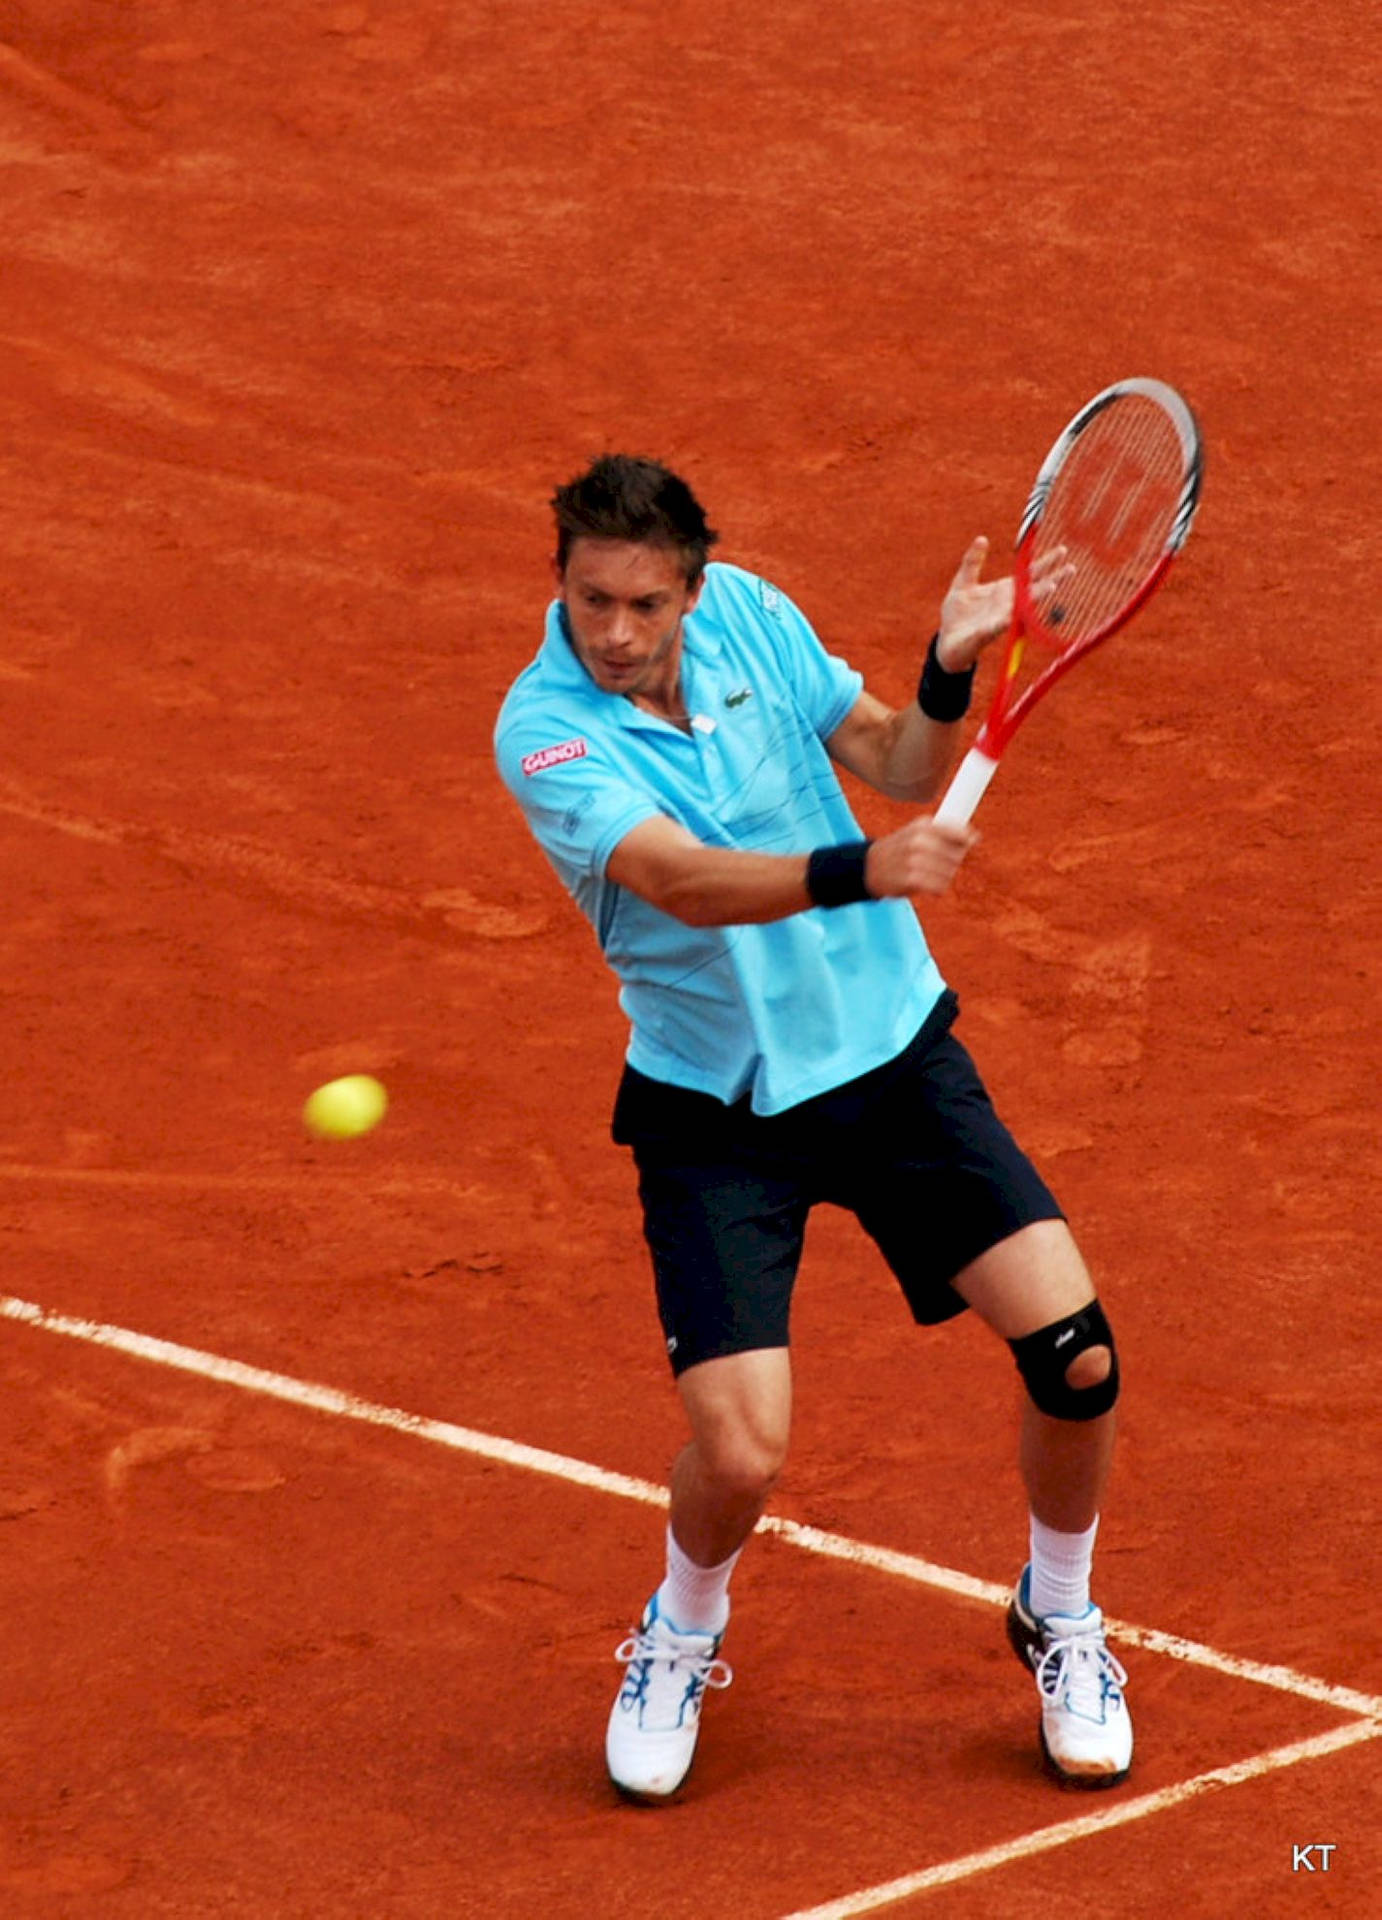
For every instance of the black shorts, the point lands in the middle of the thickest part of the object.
(913, 1149)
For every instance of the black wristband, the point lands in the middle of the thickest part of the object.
(835, 875)
(943, 695)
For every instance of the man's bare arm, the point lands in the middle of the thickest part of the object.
(906, 754)
(706, 886)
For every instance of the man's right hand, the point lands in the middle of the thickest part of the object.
(921, 858)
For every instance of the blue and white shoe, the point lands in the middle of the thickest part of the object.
(651, 1739)
(1086, 1732)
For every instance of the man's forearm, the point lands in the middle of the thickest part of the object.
(906, 754)
(719, 886)
(706, 886)
(919, 754)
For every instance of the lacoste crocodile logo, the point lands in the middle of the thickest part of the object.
(738, 699)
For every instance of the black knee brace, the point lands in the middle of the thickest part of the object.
(1043, 1357)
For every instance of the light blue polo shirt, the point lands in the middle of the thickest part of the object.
(782, 1011)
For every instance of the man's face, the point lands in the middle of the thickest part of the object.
(625, 603)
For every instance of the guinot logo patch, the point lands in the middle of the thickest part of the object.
(557, 756)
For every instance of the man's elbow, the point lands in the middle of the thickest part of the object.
(680, 895)
(688, 902)
(913, 793)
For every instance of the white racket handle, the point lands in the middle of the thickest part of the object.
(967, 789)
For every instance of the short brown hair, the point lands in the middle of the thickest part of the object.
(621, 497)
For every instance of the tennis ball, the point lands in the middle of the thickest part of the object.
(343, 1108)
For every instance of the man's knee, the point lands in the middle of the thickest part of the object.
(740, 1410)
(1070, 1369)
(743, 1459)
(1090, 1368)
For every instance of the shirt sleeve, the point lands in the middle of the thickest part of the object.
(577, 805)
(824, 685)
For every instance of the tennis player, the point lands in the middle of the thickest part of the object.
(673, 747)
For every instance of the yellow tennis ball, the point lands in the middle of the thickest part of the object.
(345, 1107)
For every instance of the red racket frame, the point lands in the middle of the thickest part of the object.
(1005, 715)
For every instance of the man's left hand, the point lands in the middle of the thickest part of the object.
(975, 612)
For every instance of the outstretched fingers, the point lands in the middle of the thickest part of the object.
(1050, 572)
(976, 554)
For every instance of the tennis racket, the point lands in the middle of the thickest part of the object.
(1118, 492)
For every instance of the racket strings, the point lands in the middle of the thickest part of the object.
(1113, 504)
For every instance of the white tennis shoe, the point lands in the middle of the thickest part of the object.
(1086, 1731)
(651, 1739)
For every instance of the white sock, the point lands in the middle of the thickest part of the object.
(694, 1599)
(1060, 1569)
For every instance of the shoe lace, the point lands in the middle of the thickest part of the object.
(1079, 1670)
(687, 1665)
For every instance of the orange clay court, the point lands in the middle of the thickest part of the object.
(329, 1470)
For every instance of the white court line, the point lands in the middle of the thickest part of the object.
(1046, 1839)
(907, 1567)
(346, 1406)
(307, 1180)
(513, 1453)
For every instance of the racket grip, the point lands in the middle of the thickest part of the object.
(967, 789)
